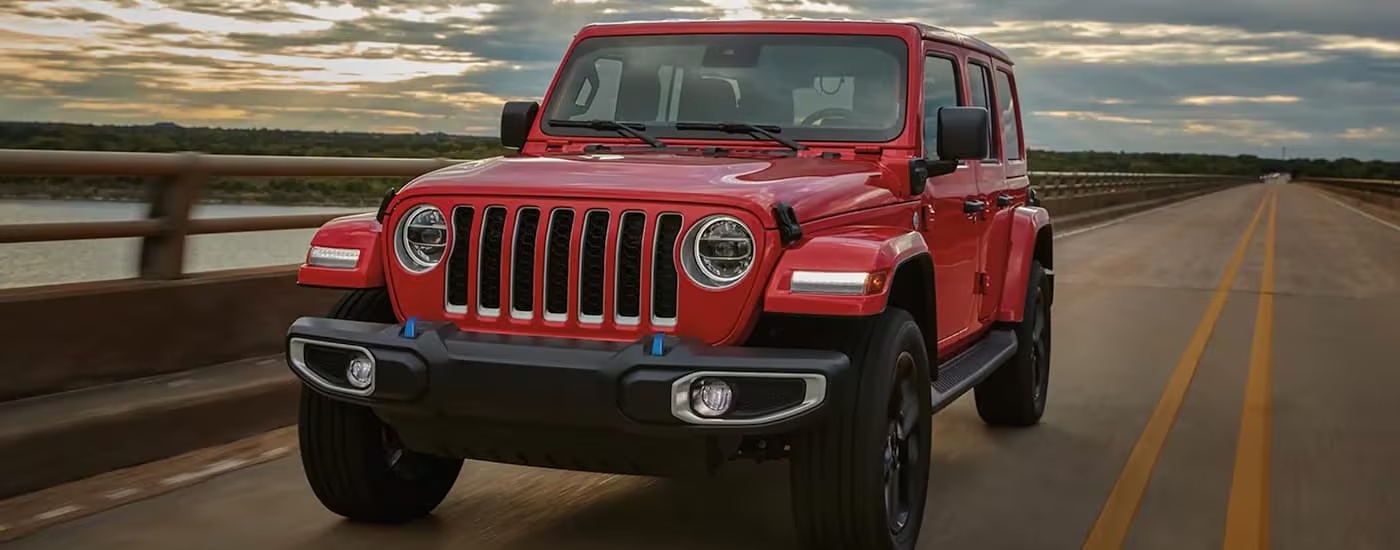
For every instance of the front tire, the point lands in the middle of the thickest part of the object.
(353, 460)
(860, 479)
(1016, 393)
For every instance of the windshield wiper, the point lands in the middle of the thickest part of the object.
(769, 132)
(634, 129)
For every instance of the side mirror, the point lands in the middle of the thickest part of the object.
(516, 119)
(964, 133)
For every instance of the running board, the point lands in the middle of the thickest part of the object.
(963, 372)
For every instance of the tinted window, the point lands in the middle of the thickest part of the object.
(940, 90)
(981, 84)
(1010, 133)
(816, 87)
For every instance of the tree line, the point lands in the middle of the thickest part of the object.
(166, 137)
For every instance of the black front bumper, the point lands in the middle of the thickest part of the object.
(550, 384)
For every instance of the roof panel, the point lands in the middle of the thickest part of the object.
(927, 31)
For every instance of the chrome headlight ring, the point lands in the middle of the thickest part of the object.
(718, 252)
(420, 240)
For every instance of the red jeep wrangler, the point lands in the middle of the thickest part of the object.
(719, 240)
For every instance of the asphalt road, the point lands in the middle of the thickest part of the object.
(1158, 350)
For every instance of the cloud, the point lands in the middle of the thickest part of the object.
(1372, 133)
(1092, 116)
(1235, 100)
(1229, 76)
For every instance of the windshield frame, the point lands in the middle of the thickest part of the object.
(893, 44)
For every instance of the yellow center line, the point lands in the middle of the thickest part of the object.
(1247, 517)
(1111, 528)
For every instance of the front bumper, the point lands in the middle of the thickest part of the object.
(639, 387)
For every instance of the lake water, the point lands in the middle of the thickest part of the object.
(30, 264)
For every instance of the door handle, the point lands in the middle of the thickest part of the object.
(1004, 200)
(973, 206)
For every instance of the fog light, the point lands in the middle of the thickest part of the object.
(711, 397)
(360, 373)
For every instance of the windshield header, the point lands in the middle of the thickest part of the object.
(811, 87)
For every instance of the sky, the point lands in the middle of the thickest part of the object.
(1321, 78)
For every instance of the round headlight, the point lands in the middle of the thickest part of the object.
(719, 252)
(421, 239)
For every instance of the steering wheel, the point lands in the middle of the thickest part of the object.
(837, 112)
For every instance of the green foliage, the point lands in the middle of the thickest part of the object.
(167, 137)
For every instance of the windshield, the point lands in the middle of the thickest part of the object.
(811, 87)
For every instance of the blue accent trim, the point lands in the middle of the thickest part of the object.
(656, 341)
(410, 328)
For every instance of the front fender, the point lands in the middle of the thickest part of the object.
(1031, 237)
(876, 251)
(357, 232)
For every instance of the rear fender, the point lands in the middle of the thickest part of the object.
(863, 259)
(355, 232)
(1031, 238)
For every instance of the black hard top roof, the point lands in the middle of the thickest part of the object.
(927, 31)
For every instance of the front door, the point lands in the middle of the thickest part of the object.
(953, 237)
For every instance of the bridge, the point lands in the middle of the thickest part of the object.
(1224, 374)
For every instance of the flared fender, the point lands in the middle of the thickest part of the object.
(1031, 238)
(846, 271)
(355, 232)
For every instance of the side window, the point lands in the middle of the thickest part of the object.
(940, 90)
(980, 80)
(1010, 132)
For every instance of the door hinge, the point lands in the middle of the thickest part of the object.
(984, 283)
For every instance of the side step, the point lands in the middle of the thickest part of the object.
(963, 372)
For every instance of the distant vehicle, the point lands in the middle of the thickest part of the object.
(720, 240)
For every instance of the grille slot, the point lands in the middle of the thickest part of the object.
(591, 259)
(665, 282)
(457, 265)
(556, 266)
(555, 263)
(493, 230)
(627, 298)
(522, 267)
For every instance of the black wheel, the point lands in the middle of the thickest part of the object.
(860, 479)
(353, 460)
(1015, 394)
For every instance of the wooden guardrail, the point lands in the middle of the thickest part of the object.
(178, 179)
(177, 182)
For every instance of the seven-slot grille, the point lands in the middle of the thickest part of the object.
(481, 239)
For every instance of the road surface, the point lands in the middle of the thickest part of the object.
(1156, 355)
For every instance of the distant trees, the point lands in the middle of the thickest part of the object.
(167, 137)
(1197, 163)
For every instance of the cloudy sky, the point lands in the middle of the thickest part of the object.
(1321, 77)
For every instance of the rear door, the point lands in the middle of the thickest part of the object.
(990, 181)
(1006, 180)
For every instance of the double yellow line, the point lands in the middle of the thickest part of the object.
(1247, 520)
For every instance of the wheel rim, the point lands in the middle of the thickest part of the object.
(1040, 353)
(903, 445)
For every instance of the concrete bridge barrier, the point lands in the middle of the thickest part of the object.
(1380, 197)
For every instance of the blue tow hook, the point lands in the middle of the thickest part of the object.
(410, 328)
(656, 344)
